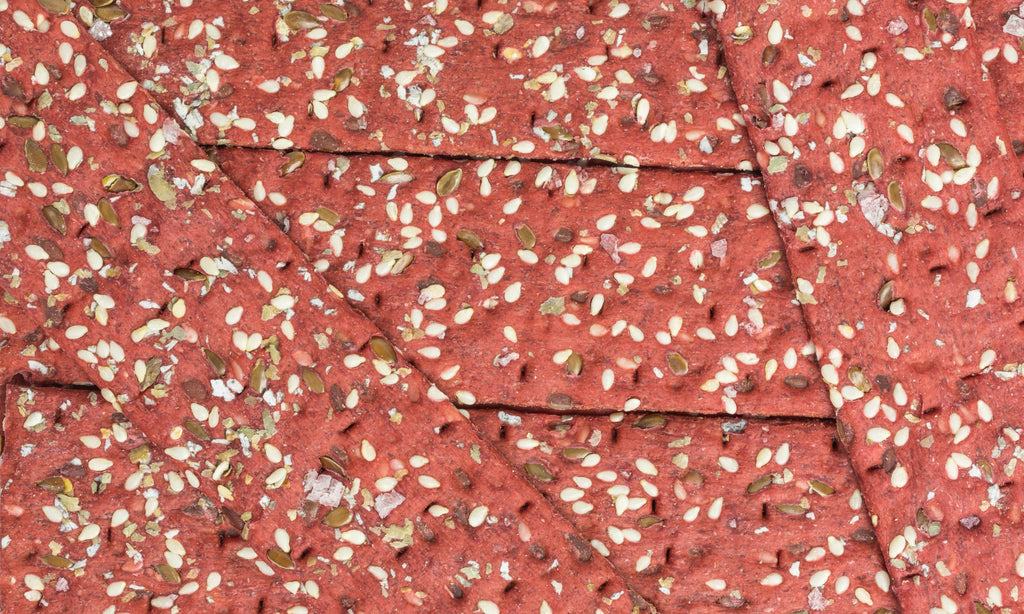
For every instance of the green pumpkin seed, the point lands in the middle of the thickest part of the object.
(574, 366)
(338, 517)
(197, 429)
(313, 381)
(772, 259)
(301, 20)
(981, 608)
(526, 236)
(98, 3)
(539, 472)
(875, 164)
(107, 212)
(55, 219)
(61, 7)
(449, 182)
(557, 133)
(280, 558)
(333, 11)
(329, 464)
(36, 157)
(55, 560)
(342, 78)
(118, 184)
(650, 421)
(790, 509)
(97, 246)
(383, 349)
(59, 159)
(257, 381)
(168, 573)
(55, 485)
(190, 274)
(294, 161)
(110, 12)
(952, 156)
(760, 484)
(885, 295)
(896, 196)
(216, 362)
(470, 239)
(647, 522)
(677, 364)
(328, 215)
(152, 372)
(575, 453)
(822, 488)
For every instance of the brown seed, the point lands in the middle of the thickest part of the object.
(580, 546)
(333, 11)
(526, 236)
(960, 583)
(559, 401)
(55, 560)
(383, 349)
(338, 517)
(885, 296)
(798, 382)
(574, 366)
(55, 485)
(342, 78)
(650, 421)
(313, 381)
(197, 429)
(929, 18)
(769, 55)
(280, 558)
(190, 274)
(97, 246)
(168, 573)
(790, 509)
(564, 235)
(874, 163)
(61, 7)
(301, 20)
(677, 364)
(152, 372)
(59, 159)
(329, 464)
(449, 182)
(117, 184)
(649, 521)
(219, 367)
(107, 213)
(470, 239)
(539, 472)
(55, 219)
(36, 157)
(953, 98)
(110, 12)
(294, 161)
(759, 484)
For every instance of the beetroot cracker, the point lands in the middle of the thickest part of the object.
(206, 327)
(92, 516)
(565, 288)
(890, 183)
(1000, 28)
(709, 514)
(26, 352)
(633, 83)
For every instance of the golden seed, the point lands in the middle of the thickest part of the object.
(140, 454)
(328, 215)
(790, 509)
(858, 379)
(59, 159)
(190, 274)
(36, 156)
(313, 381)
(929, 18)
(822, 488)
(27, 122)
(110, 12)
(770, 53)
(772, 259)
(97, 246)
(952, 156)
(339, 516)
(677, 364)
(301, 20)
(742, 34)
(257, 381)
(342, 78)
(117, 183)
(152, 372)
(107, 212)
(329, 464)
(55, 485)
(98, 3)
(402, 263)
(693, 478)
(875, 164)
(280, 558)
(168, 573)
(197, 429)
(161, 188)
(54, 560)
(383, 349)
(449, 182)
(896, 196)
(295, 160)
(526, 236)
(575, 453)
(759, 484)
(649, 521)
(216, 362)
(333, 11)
(574, 366)
(61, 7)
(504, 24)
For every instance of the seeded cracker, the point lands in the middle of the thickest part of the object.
(569, 288)
(258, 405)
(890, 183)
(632, 82)
(709, 513)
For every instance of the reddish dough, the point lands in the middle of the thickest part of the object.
(563, 80)
(206, 328)
(709, 513)
(854, 109)
(554, 287)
